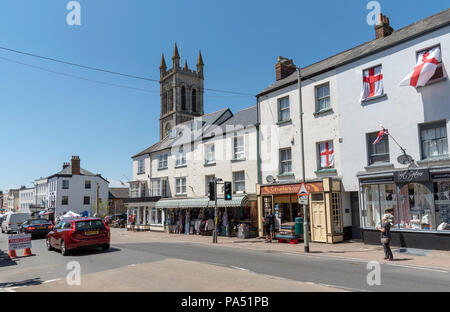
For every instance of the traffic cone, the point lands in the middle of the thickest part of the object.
(27, 252)
(12, 254)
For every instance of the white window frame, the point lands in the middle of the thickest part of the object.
(238, 182)
(63, 184)
(280, 110)
(433, 125)
(180, 157)
(238, 150)
(318, 99)
(141, 166)
(210, 153)
(160, 187)
(285, 161)
(163, 161)
(180, 188)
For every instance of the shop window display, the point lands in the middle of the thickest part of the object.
(372, 215)
(416, 207)
(442, 202)
(388, 202)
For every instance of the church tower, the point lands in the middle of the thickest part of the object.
(181, 93)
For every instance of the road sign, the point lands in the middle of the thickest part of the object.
(303, 191)
(19, 241)
(303, 200)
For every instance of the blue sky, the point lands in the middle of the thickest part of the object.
(46, 118)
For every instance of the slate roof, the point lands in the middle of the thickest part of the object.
(68, 172)
(401, 35)
(207, 120)
(118, 192)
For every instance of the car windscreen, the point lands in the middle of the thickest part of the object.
(88, 225)
(38, 221)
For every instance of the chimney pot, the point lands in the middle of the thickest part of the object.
(383, 28)
(284, 67)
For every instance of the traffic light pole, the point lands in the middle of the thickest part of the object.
(215, 212)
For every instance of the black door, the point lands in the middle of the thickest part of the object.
(356, 221)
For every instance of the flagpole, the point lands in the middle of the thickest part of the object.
(389, 134)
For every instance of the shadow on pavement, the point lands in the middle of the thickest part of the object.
(28, 282)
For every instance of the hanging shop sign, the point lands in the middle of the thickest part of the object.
(412, 175)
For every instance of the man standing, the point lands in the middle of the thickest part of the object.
(269, 223)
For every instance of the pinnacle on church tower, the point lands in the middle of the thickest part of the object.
(176, 57)
(163, 67)
(200, 64)
(186, 66)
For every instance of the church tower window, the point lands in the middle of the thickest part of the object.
(194, 100)
(183, 98)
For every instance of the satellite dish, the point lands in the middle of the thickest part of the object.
(405, 159)
(270, 179)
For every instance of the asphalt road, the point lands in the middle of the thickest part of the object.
(346, 274)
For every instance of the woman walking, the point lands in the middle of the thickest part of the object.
(385, 230)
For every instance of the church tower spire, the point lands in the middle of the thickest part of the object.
(163, 67)
(200, 64)
(176, 57)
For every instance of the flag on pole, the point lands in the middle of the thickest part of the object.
(372, 83)
(380, 136)
(326, 154)
(427, 62)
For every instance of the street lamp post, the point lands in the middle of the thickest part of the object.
(305, 210)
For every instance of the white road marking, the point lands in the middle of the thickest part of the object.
(52, 280)
(416, 267)
(238, 268)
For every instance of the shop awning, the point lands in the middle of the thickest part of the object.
(237, 201)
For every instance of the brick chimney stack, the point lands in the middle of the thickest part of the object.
(382, 28)
(284, 67)
(65, 165)
(75, 165)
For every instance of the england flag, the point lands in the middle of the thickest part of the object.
(427, 62)
(372, 83)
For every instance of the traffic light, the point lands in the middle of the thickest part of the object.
(228, 191)
(212, 190)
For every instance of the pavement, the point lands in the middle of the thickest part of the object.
(437, 259)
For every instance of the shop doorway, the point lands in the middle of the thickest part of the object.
(318, 218)
(356, 220)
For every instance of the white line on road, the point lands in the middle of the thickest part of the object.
(52, 280)
(238, 268)
(416, 267)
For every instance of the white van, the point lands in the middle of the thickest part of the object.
(11, 222)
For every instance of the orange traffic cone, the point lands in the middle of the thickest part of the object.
(12, 254)
(27, 252)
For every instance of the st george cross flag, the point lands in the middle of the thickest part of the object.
(425, 68)
(372, 83)
(380, 136)
(326, 154)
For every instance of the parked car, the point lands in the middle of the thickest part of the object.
(12, 222)
(70, 234)
(36, 227)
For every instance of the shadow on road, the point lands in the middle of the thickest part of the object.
(28, 282)
(91, 251)
(5, 260)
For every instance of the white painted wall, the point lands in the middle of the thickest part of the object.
(401, 111)
(26, 198)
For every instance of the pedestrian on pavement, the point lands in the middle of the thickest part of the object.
(385, 230)
(132, 222)
(269, 224)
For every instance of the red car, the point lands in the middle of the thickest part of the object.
(70, 234)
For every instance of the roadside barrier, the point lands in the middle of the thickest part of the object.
(12, 254)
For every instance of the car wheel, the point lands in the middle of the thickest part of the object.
(105, 247)
(3, 231)
(64, 251)
(49, 246)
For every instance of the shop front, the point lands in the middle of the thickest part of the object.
(195, 216)
(417, 201)
(144, 213)
(324, 209)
